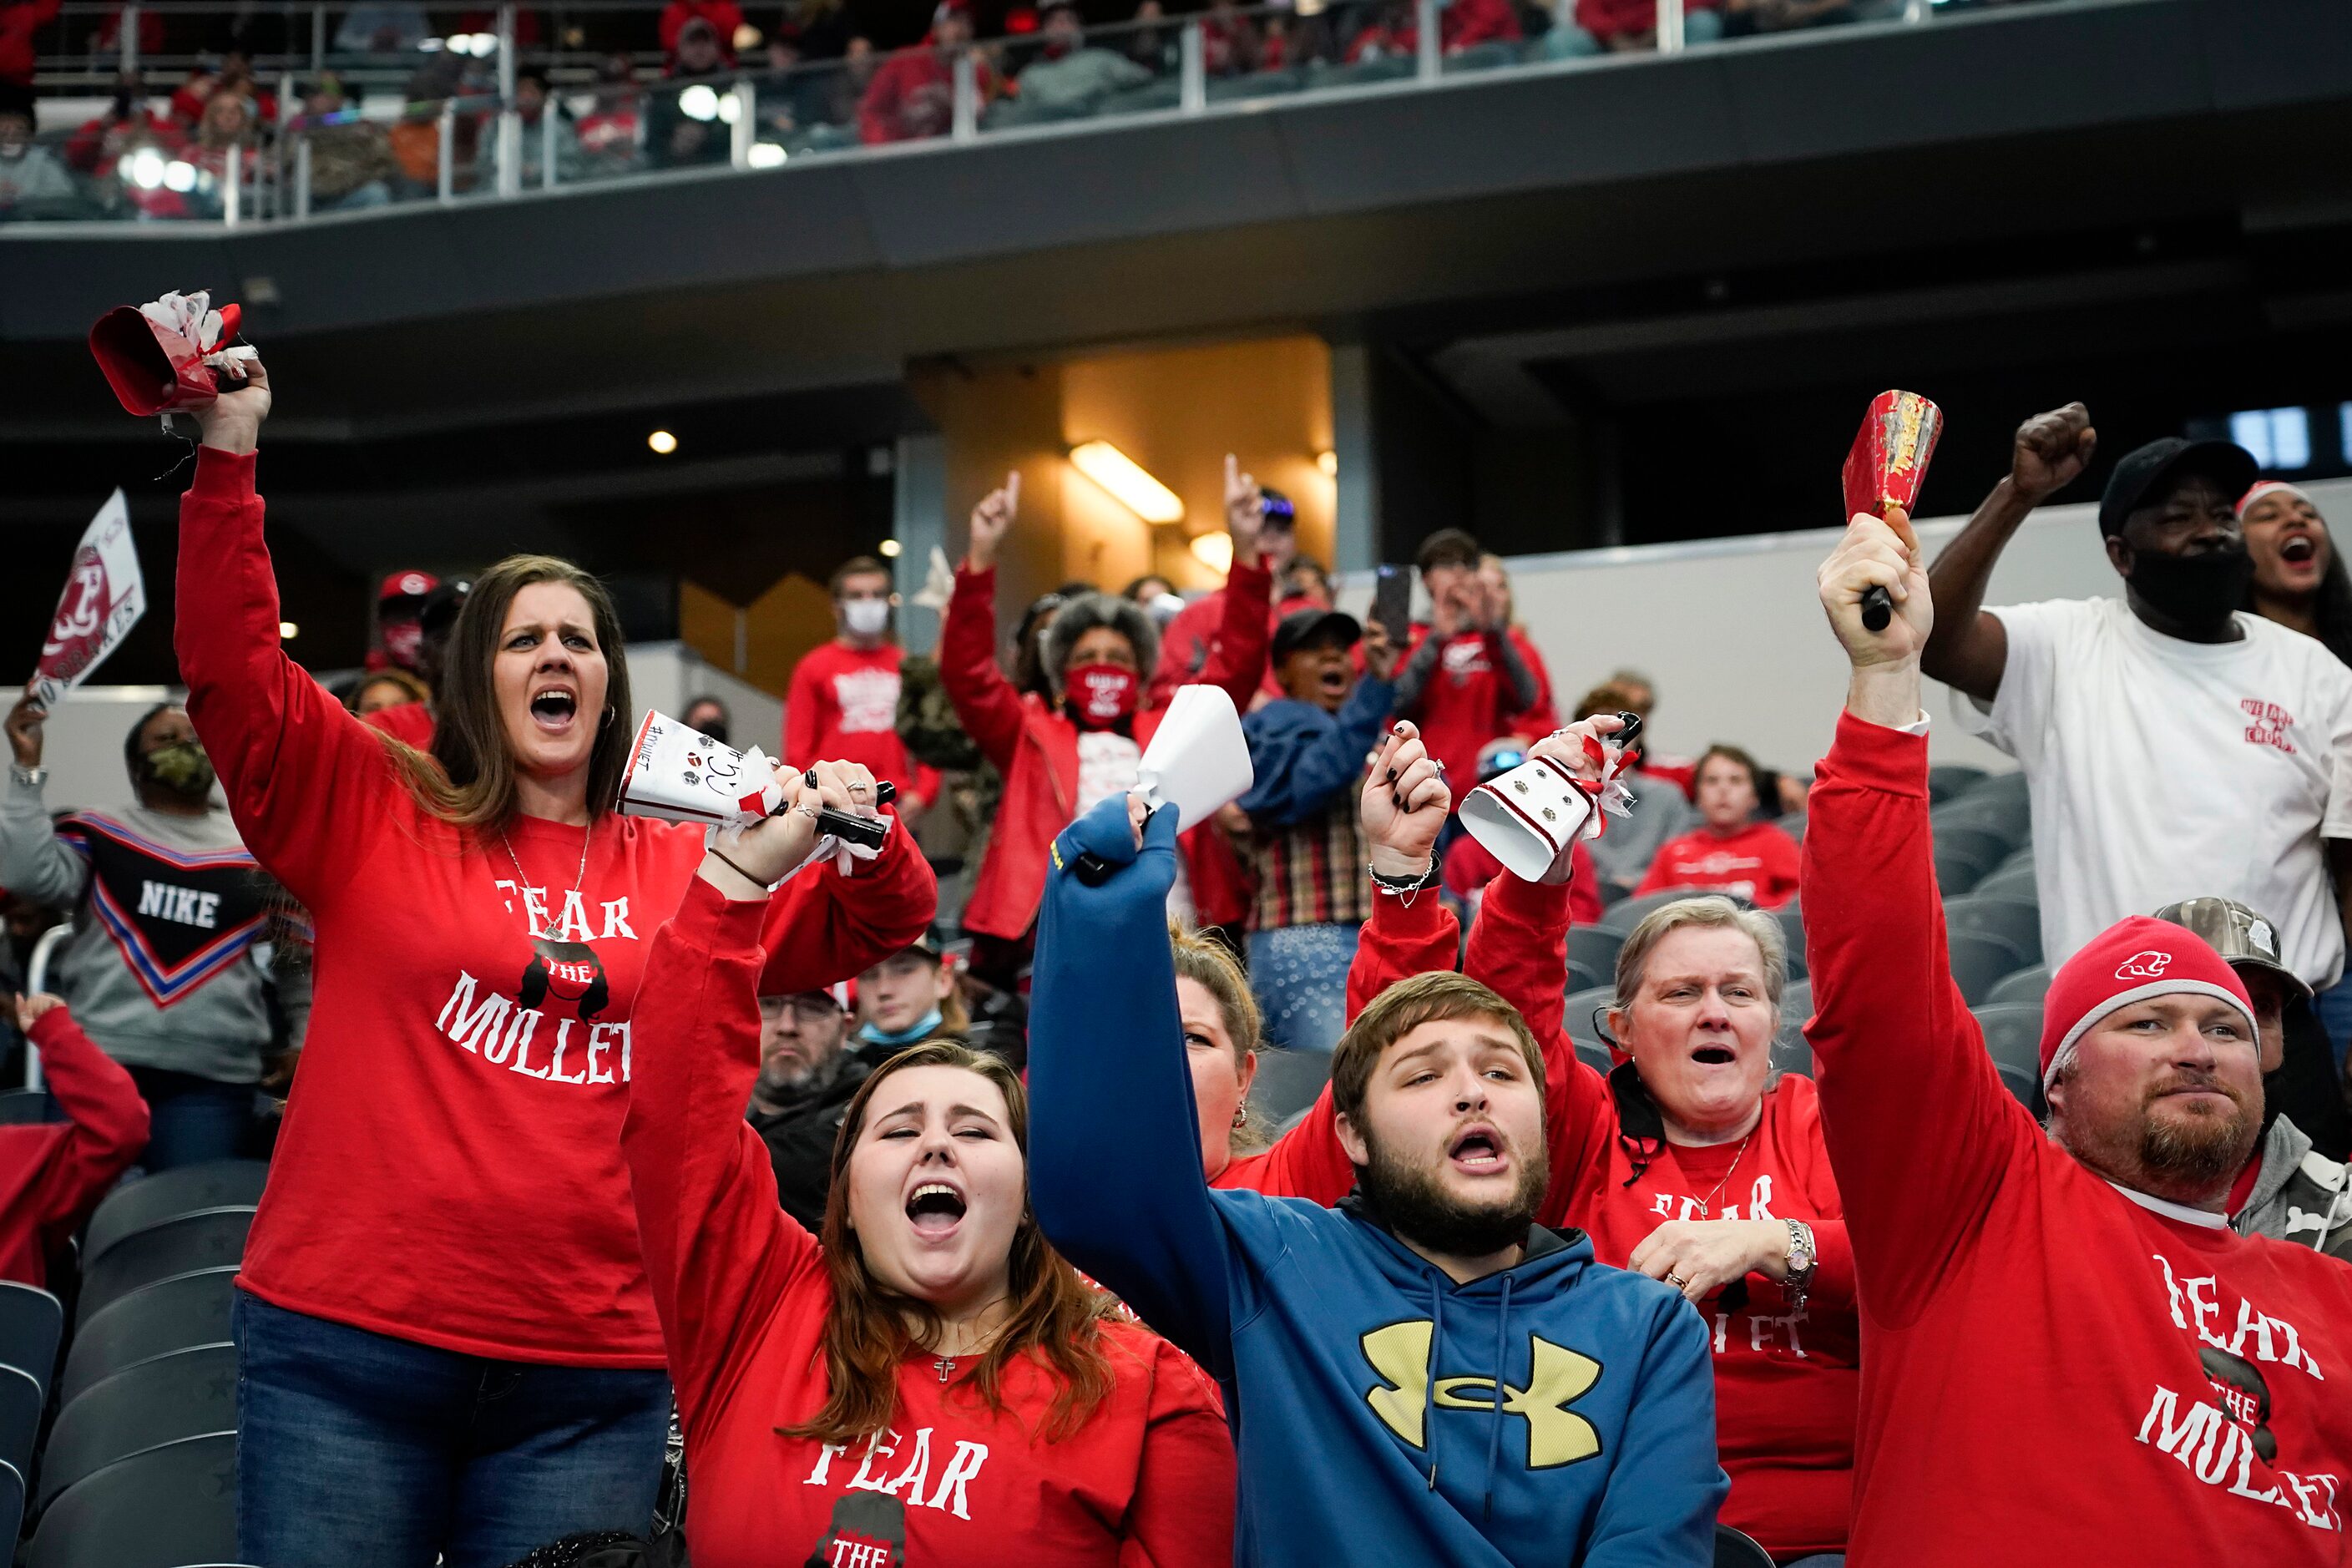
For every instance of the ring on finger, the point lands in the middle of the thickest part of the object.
(1677, 1281)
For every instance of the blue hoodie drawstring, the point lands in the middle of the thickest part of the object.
(1494, 1419)
(1436, 1360)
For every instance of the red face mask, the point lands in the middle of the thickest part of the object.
(1100, 695)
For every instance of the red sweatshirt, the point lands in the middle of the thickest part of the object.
(53, 1173)
(408, 722)
(1785, 1382)
(450, 1171)
(1467, 702)
(843, 707)
(1757, 862)
(2056, 1372)
(743, 1294)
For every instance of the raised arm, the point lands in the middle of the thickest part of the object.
(826, 925)
(106, 1121)
(1969, 647)
(1113, 1148)
(299, 769)
(1237, 656)
(984, 699)
(719, 1250)
(1919, 1128)
(33, 863)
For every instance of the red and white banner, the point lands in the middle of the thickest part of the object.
(104, 598)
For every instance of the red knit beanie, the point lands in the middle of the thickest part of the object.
(2129, 962)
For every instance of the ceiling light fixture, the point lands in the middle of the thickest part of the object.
(1214, 551)
(1127, 481)
(662, 442)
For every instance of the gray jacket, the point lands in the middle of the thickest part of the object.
(165, 968)
(2298, 1196)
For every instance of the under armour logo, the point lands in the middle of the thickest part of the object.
(2148, 965)
(1557, 1377)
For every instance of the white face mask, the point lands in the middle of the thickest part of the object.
(866, 617)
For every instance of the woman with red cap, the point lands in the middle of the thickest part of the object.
(1062, 754)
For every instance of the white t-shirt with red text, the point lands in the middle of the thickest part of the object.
(2163, 770)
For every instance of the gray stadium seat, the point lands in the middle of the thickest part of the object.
(1289, 1080)
(2025, 985)
(170, 1315)
(1949, 781)
(209, 1238)
(1595, 1054)
(1791, 916)
(167, 1195)
(1595, 947)
(1578, 1022)
(1622, 917)
(2012, 1035)
(1732, 1550)
(2010, 879)
(20, 1417)
(1790, 1053)
(11, 1503)
(168, 1507)
(27, 1107)
(1978, 962)
(1987, 848)
(2015, 922)
(1797, 1002)
(32, 1325)
(2010, 822)
(1579, 978)
(187, 1394)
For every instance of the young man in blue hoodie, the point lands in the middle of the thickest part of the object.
(1308, 753)
(1421, 1375)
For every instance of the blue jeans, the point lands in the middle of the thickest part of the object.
(357, 1450)
(1300, 976)
(192, 1118)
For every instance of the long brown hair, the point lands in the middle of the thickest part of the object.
(469, 780)
(1055, 1314)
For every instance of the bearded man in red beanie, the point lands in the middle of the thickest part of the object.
(2067, 1355)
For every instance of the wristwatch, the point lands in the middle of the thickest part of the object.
(31, 778)
(1801, 1262)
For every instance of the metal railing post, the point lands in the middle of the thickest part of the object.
(317, 39)
(1192, 69)
(301, 178)
(506, 52)
(1670, 27)
(1429, 55)
(548, 115)
(509, 145)
(36, 977)
(232, 182)
(445, 156)
(1917, 11)
(745, 130)
(966, 124)
(126, 39)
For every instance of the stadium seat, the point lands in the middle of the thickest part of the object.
(25, 1107)
(1289, 1080)
(1732, 1550)
(32, 1325)
(2012, 878)
(1797, 1002)
(1949, 781)
(1987, 848)
(2010, 822)
(167, 1195)
(12, 1502)
(187, 1394)
(1579, 978)
(1623, 917)
(1595, 947)
(1957, 872)
(1794, 824)
(170, 1315)
(1790, 1052)
(168, 1507)
(1791, 917)
(20, 1417)
(208, 1238)
(2025, 985)
(2012, 1035)
(1595, 1054)
(1979, 961)
(1578, 1022)
(2015, 922)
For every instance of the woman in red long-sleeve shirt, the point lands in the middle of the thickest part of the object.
(53, 1174)
(927, 1381)
(1690, 1162)
(446, 1343)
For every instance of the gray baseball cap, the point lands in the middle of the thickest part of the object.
(2244, 939)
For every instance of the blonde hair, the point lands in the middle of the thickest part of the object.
(1210, 964)
(1714, 911)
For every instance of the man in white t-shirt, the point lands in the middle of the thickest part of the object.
(2171, 745)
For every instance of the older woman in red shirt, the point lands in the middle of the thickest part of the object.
(927, 1381)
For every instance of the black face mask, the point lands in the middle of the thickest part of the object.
(2194, 590)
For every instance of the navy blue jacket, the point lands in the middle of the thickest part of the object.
(1305, 760)
(1559, 1412)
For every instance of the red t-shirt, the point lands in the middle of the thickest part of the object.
(1757, 862)
(1467, 702)
(1785, 1382)
(450, 1171)
(743, 1294)
(53, 1174)
(843, 707)
(2056, 1372)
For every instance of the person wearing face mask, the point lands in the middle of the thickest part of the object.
(1730, 852)
(844, 697)
(1060, 755)
(923, 1379)
(447, 1342)
(1692, 1161)
(2164, 718)
(908, 997)
(170, 909)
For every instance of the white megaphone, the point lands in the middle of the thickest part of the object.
(1198, 761)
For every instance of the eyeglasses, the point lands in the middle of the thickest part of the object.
(811, 1008)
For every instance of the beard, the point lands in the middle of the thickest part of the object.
(1412, 1199)
(2202, 1147)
